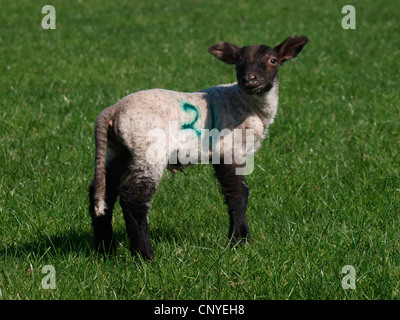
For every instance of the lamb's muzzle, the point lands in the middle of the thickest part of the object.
(122, 166)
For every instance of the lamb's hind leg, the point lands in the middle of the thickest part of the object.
(102, 225)
(136, 194)
(236, 192)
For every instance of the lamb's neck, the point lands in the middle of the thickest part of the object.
(265, 104)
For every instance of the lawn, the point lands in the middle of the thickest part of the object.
(325, 191)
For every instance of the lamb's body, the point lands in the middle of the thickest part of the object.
(220, 107)
(122, 131)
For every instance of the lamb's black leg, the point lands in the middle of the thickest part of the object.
(135, 197)
(102, 226)
(236, 192)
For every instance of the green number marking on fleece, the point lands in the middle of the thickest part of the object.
(187, 107)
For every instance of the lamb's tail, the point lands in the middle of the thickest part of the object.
(103, 121)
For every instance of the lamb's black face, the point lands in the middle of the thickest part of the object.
(256, 68)
(257, 65)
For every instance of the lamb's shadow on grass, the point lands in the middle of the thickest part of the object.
(165, 234)
(76, 242)
(79, 242)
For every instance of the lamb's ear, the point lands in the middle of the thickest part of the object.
(224, 51)
(290, 48)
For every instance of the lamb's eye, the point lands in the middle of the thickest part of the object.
(272, 61)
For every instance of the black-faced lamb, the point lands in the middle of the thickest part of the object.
(126, 131)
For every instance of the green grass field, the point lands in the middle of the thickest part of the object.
(325, 192)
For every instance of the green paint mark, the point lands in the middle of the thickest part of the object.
(187, 107)
(212, 116)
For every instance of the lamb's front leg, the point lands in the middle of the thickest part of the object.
(236, 192)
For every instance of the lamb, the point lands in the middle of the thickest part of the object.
(122, 164)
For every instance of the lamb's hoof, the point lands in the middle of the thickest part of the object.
(106, 251)
(238, 241)
(147, 256)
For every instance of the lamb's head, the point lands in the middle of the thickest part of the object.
(257, 65)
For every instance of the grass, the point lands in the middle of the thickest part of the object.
(325, 191)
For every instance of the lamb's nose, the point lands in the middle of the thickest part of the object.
(250, 80)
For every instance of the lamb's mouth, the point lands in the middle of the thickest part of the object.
(253, 90)
(257, 90)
